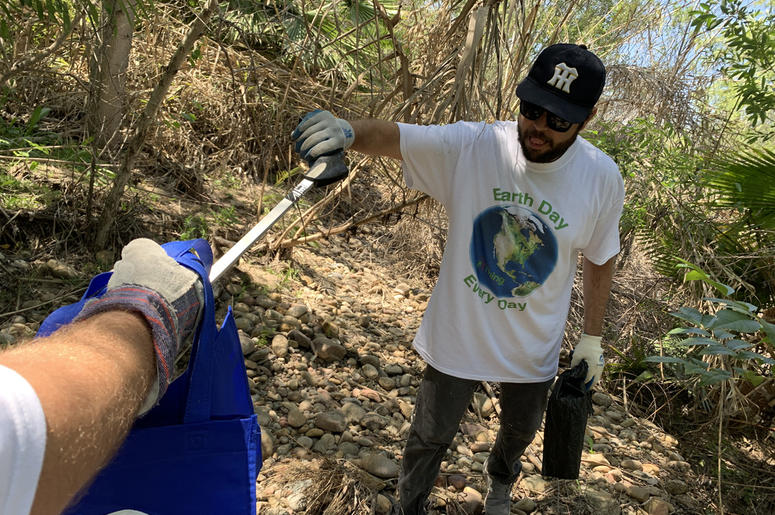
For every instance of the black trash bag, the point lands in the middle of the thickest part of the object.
(570, 404)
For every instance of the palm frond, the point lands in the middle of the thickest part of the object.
(746, 181)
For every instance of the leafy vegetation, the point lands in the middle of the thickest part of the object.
(744, 51)
(717, 345)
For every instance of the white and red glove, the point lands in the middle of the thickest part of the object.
(168, 295)
(590, 350)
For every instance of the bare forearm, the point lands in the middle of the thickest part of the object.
(91, 379)
(597, 288)
(376, 138)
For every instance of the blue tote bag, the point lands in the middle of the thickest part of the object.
(199, 450)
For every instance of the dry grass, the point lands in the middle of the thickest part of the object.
(323, 486)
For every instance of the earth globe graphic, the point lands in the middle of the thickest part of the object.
(512, 250)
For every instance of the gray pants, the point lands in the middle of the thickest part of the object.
(441, 402)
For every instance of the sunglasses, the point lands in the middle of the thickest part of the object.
(534, 112)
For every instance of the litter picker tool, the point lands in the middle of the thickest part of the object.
(325, 170)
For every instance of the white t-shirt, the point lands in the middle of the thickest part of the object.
(499, 308)
(22, 443)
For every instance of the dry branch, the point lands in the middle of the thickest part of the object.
(145, 123)
(290, 242)
(30, 61)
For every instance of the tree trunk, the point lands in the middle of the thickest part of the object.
(107, 72)
(147, 118)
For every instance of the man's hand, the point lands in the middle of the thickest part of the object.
(320, 133)
(590, 350)
(169, 296)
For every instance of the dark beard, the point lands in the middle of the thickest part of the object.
(547, 156)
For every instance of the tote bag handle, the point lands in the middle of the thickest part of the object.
(203, 350)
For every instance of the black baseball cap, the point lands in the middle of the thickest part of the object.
(566, 80)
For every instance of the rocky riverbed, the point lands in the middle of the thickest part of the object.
(334, 380)
(327, 343)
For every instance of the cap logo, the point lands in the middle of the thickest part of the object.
(563, 76)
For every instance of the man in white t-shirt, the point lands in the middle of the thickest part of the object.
(523, 199)
(67, 401)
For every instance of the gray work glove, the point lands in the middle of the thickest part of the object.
(168, 295)
(320, 133)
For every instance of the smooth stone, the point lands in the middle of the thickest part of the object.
(638, 493)
(349, 449)
(331, 421)
(247, 343)
(471, 500)
(299, 338)
(330, 329)
(328, 350)
(380, 466)
(243, 324)
(481, 446)
(595, 459)
(61, 270)
(526, 504)
(393, 369)
(326, 444)
(373, 421)
(632, 464)
(296, 418)
(297, 311)
(383, 505)
(261, 354)
(388, 383)
(657, 506)
(280, 345)
(603, 502)
(535, 484)
(267, 443)
(305, 441)
(457, 481)
(369, 371)
(370, 359)
(676, 487)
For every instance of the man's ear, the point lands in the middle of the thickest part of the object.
(591, 115)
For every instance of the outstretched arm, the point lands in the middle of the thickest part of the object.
(91, 379)
(320, 133)
(377, 138)
(94, 376)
